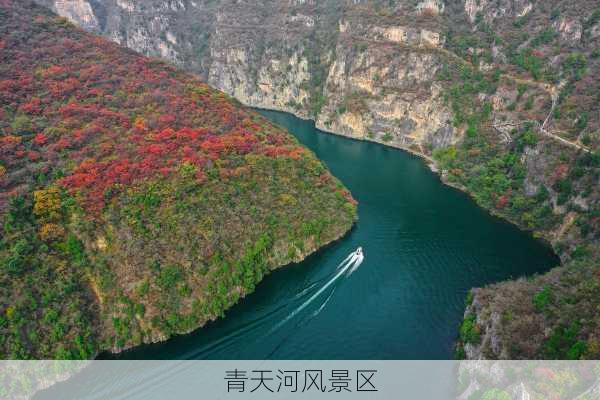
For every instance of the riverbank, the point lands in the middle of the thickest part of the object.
(485, 306)
(303, 116)
(426, 245)
(429, 161)
(306, 253)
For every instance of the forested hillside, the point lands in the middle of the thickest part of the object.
(502, 97)
(530, 154)
(136, 202)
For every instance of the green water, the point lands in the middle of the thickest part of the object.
(425, 245)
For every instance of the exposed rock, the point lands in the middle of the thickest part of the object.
(570, 29)
(78, 11)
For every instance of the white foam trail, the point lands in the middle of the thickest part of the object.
(303, 292)
(314, 296)
(347, 258)
(324, 304)
(357, 263)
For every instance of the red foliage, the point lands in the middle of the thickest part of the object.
(111, 117)
(166, 120)
(348, 196)
(502, 201)
(53, 71)
(324, 179)
(32, 107)
(560, 172)
(33, 155)
(40, 139)
(537, 53)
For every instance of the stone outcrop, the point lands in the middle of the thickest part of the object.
(354, 76)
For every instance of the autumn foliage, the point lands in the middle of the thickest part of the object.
(136, 201)
(99, 117)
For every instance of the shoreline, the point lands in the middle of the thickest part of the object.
(429, 163)
(432, 166)
(109, 354)
(428, 160)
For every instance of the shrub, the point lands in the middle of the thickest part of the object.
(581, 251)
(47, 204)
(575, 65)
(563, 343)
(564, 188)
(74, 247)
(459, 352)
(22, 125)
(542, 299)
(496, 394)
(528, 138)
(471, 130)
(445, 156)
(169, 277)
(49, 232)
(529, 62)
(581, 122)
(544, 37)
(521, 89)
(15, 263)
(469, 331)
(521, 21)
(586, 141)
(593, 19)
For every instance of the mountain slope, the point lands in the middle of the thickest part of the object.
(501, 95)
(136, 201)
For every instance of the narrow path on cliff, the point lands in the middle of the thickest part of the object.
(552, 90)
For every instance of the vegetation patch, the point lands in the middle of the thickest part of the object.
(136, 201)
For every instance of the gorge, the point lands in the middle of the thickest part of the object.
(503, 96)
(425, 246)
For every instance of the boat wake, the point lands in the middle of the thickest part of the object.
(357, 261)
(348, 267)
(306, 296)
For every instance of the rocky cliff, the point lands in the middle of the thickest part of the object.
(354, 70)
(502, 96)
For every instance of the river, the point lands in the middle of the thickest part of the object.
(425, 246)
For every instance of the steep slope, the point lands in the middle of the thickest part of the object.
(552, 46)
(136, 201)
(502, 96)
(355, 70)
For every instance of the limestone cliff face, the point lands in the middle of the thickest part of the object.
(328, 61)
(79, 11)
(306, 61)
(385, 90)
(141, 26)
